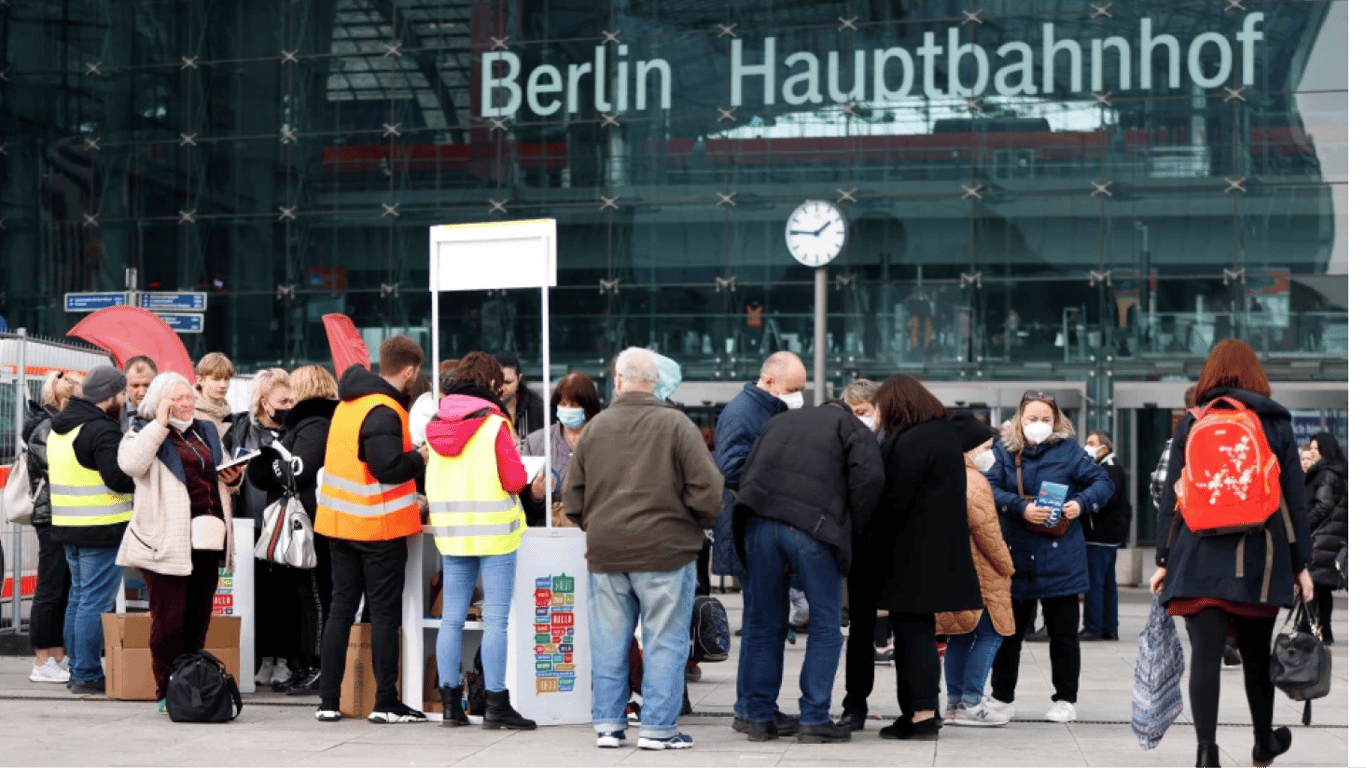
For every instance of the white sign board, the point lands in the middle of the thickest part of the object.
(493, 255)
(548, 672)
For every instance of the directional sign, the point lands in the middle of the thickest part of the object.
(189, 301)
(183, 322)
(89, 302)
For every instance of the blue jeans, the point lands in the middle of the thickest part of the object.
(94, 584)
(1101, 611)
(769, 545)
(662, 602)
(459, 574)
(968, 660)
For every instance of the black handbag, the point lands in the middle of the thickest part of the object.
(201, 690)
(1301, 665)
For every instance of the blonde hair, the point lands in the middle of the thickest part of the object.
(214, 365)
(262, 384)
(312, 381)
(162, 386)
(60, 386)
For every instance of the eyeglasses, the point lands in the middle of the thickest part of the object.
(1044, 397)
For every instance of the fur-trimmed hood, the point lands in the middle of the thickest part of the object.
(1014, 442)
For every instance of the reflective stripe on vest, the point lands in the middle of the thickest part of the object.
(472, 516)
(79, 495)
(352, 504)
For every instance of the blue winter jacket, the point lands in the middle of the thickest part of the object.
(1046, 566)
(736, 430)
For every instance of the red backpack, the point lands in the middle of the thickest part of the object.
(1232, 480)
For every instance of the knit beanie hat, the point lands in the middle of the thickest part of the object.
(104, 382)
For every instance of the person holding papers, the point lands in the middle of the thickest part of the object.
(473, 478)
(1042, 482)
(573, 404)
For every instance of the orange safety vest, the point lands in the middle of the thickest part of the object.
(352, 504)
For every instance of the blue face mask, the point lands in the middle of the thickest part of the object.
(571, 418)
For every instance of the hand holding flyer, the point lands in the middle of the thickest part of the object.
(1053, 496)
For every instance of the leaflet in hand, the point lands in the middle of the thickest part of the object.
(242, 457)
(1052, 496)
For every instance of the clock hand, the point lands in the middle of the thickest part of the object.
(822, 229)
(815, 233)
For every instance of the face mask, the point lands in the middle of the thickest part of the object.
(984, 461)
(571, 418)
(1092, 451)
(1038, 432)
(281, 414)
(793, 400)
(869, 422)
(181, 425)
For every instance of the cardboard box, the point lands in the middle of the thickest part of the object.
(128, 653)
(358, 681)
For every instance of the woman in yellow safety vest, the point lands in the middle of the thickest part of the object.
(473, 478)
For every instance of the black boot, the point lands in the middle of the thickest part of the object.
(1267, 747)
(1206, 755)
(498, 713)
(452, 712)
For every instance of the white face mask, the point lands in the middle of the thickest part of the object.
(792, 399)
(1092, 451)
(984, 461)
(1038, 432)
(180, 424)
(869, 422)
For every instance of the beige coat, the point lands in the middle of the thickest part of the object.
(158, 538)
(992, 558)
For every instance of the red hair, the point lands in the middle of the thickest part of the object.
(1232, 364)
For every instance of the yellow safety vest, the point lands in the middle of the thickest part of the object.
(79, 495)
(471, 514)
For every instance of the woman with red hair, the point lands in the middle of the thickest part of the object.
(1216, 581)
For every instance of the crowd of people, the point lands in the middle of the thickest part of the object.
(860, 506)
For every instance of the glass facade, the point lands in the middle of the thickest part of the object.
(1035, 189)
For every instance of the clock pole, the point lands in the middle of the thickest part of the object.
(818, 372)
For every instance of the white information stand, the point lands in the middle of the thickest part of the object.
(497, 256)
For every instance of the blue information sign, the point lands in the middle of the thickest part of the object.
(183, 322)
(89, 302)
(188, 301)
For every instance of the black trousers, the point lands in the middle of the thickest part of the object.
(314, 592)
(48, 615)
(375, 569)
(277, 610)
(1207, 630)
(1060, 617)
(917, 663)
(704, 568)
(858, 652)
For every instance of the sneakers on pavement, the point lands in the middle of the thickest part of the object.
(975, 715)
(998, 706)
(327, 715)
(280, 675)
(267, 669)
(87, 687)
(677, 741)
(612, 740)
(396, 713)
(1061, 712)
(49, 672)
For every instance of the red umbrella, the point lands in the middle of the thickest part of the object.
(131, 331)
(347, 348)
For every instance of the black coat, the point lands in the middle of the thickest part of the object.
(382, 433)
(1326, 489)
(97, 448)
(305, 436)
(530, 411)
(1111, 524)
(1206, 566)
(37, 426)
(920, 530)
(816, 469)
(246, 433)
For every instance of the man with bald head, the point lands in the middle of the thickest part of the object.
(779, 388)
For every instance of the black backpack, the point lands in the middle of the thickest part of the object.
(710, 630)
(201, 690)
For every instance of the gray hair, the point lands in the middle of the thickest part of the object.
(858, 392)
(161, 387)
(1106, 441)
(638, 366)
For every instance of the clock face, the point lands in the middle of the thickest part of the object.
(816, 232)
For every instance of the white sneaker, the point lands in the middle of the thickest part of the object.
(998, 706)
(1061, 712)
(49, 672)
(281, 672)
(267, 669)
(977, 715)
